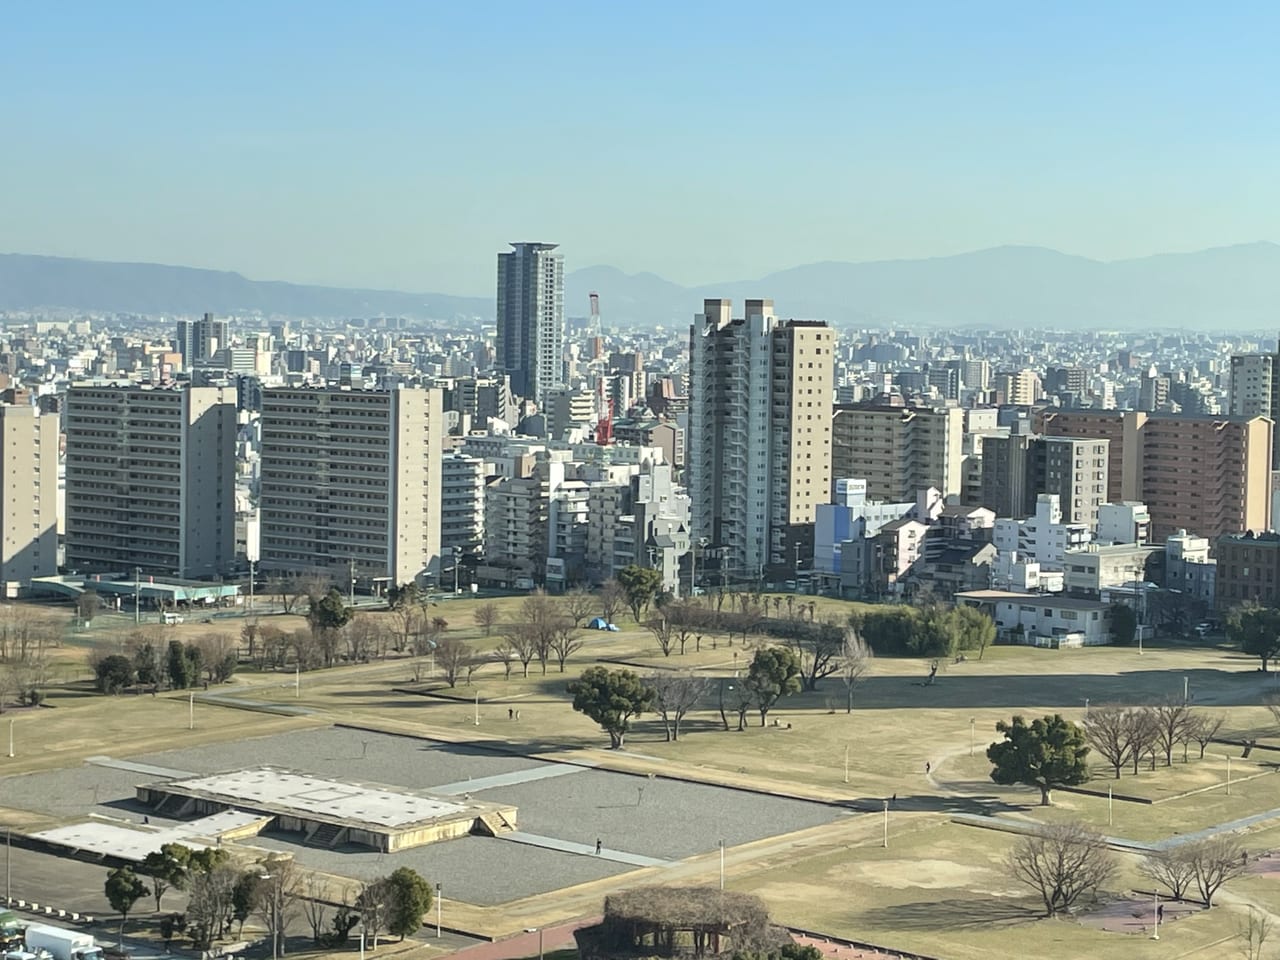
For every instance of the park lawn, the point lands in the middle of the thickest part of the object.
(943, 890)
(82, 726)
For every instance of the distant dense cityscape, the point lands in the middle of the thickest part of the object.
(748, 451)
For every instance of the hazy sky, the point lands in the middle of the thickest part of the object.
(403, 144)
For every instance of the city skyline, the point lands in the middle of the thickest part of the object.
(209, 139)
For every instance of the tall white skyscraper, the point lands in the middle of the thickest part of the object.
(531, 318)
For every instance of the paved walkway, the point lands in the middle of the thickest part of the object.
(586, 849)
(507, 779)
(527, 944)
(842, 949)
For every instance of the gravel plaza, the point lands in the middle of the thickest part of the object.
(563, 809)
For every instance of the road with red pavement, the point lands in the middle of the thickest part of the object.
(527, 944)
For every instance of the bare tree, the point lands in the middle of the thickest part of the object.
(612, 598)
(740, 699)
(660, 627)
(214, 649)
(315, 907)
(523, 641)
(277, 900)
(452, 656)
(485, 616)
(315, 585)
(1063, 863)
(1214, 861)
(361, 636)
(578, 605)
(288, 589)
(686, 618)
(1254, 931)
(274, 647)
(1142, 736)
(249, 633)
(675, 694)
(819, 647)
(408, 619)
(1110, 733)
(374, 906)
(505, 654)
(1169, 719)
(1172, 869)
(538, 612)
(855, 664)
(565, 641)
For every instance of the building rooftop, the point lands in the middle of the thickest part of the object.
(265, 788)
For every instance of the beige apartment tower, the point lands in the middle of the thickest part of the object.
(758, 452)
(1210, 475)
(351, 483)
(899, 451)
(150, 480)
(28, 497)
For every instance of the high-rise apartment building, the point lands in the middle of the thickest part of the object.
(28, 496)
(1019, 388)
(759, 440)
(1255, 389)
(199, 340)
(350, 482)
(531, 318)
(462, 504)
(1018, 469)
(1209, 475)
(150, 479)
(899, 451)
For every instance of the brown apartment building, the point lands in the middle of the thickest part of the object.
(1207, 474)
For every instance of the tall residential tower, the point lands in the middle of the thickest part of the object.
(531, 318)
(759, 443)
(351, 483)
(150, 479)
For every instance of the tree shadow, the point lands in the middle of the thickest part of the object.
(958, 914)
(934, 803)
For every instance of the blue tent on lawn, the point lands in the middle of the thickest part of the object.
(598, 623)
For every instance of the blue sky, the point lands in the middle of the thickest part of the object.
(403, 144)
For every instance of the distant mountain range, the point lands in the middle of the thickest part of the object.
(29, 283)
(1236, 287)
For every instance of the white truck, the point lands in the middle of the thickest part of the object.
(61, 944)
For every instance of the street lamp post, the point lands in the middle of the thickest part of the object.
(457, 565)
(438, 898)
(1155, 930)
(539, 932)
(252, 575)
(137, 594)
(973, 733)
